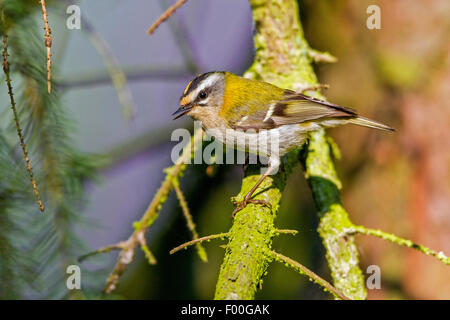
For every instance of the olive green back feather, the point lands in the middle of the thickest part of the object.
(263, 106)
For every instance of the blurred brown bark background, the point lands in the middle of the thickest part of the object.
(400, 184)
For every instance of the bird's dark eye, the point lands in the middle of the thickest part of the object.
(202, 94)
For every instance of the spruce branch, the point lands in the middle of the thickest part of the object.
(184, 42)
(189, 220)
(199, 240)
(48, 45)
(284, 58)
(315, 88)
(132, 73)
(222, 236)
(311, 275)
(117, 246)
(247, 254)
(318, 56)
(51, 241)
(279, 59)
(114, 69)
(6, 70)
(398, 240)
(341, 251)
(166, 15)
(137, 238)
(285, 231)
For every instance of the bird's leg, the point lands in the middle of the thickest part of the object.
(247, 199)
(246, 162)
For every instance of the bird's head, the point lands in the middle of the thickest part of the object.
(203, 96)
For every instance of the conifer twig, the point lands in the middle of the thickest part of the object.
(315, 88)
(190, 222)
(6, 70)
(400, 241)
(48, 45)
(223, 235)
(310, 274)
(137, 238)
(199, 240)
(318, 56)
(117, 246)
(166, 15)
(286, 231)
(114, 69)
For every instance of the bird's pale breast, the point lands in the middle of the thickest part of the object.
(277, 141)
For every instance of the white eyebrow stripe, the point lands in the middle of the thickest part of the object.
(206, 83)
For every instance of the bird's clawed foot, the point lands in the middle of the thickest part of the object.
(242, 204)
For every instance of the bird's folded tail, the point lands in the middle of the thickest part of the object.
(361, 121)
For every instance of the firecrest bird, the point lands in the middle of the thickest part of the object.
(245, 113)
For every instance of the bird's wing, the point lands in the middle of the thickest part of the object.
(298, 108)
(293, 108)
(252, 121)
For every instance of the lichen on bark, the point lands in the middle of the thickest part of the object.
(284, 58)
(341, 251)
(248, 251)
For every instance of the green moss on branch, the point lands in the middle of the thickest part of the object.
(283, 57)
(248, 251)
(341, 251)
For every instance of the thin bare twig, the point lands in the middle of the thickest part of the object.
(315, 88)
(318, 56)
(311, 275)
(182, 37)
(151, 214)
(115, 72)
(48, 45)
(400, 241)
(222, 235)
(13, 107)
(117, 246)
(206, 238)
(190, 222)
(286, 231)
(132, 73)
(165, 16)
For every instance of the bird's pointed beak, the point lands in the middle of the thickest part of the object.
(181, 111)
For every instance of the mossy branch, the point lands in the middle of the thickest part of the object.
(189, 220)
(311, 275)
(247, 253)
(341, 251)
(400, 241)
(284, 58)
(137, 238)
